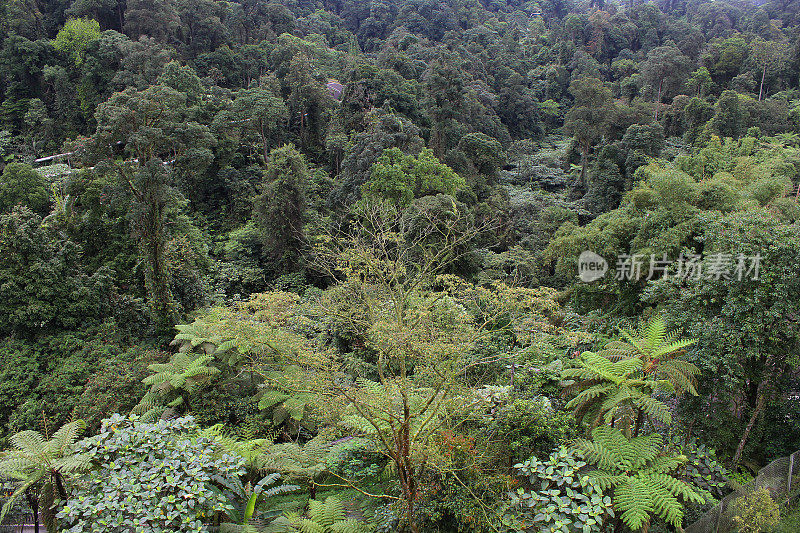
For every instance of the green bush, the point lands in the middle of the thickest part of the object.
(532, 426)
(702, 469)
(563, 498)
(150, 478)
(756, 512)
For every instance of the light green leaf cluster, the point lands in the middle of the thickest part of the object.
(34, 463)
(75, 37)
(400, 178)
(608, 390)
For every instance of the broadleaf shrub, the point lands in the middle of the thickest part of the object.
(562, 499)
(150, 478)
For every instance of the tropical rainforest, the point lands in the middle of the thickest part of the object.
(341, 266)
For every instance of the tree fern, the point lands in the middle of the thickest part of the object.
(255, 509)
(292, 461)
(613, 391)
(39, 466)
(201, 336)
(329, 516)
(278, 396)
(639, 473)
(215, 342)
(233, 339)
(173, 382)
(658, 350)
(252, 450)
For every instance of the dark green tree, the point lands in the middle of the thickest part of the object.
(445, 100)
(155, 129)
(22, 185)
(665, 69)
(729, 117)
(587, 118)
(768, 55)
(280, 210)
(43, 284)
(262, 113)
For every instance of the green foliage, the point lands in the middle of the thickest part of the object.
(278, 397)
(329, 516)
(789, 522)
(384, 130)
(639, 474)
(205, 151)
(65, 376)
(262, 114)
(729, 118)
(22, 185)
(162, 476)
(255, 509)
(44, 285)
(755, 512)
(485, 155)
(530, 426)
(172, 383)
(75, 37)
(280, 211)
(467, 499)
(38, 466)
(563, 498)
(609, 391)
(400, 178)
(589, 115)
(659, 351)
(702, 468)
(728, 319)
(227, 341)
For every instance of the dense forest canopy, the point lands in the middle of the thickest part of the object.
(387, 265)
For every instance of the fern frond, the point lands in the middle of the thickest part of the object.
(329, 512)
(351, 525)
(598, 454)
(310, 526)
(654, 408)
(665, 464)
(664, 503)
(679, 488)
(66, 436)
(29, 441)
(633, 500)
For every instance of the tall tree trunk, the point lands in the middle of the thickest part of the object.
(753, 417)
(658, 98)
(405, 470)
(264, 144)
(187, 408)
(584, 157)
(761, 88)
